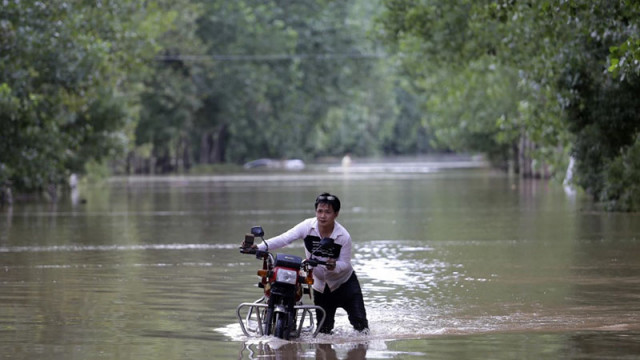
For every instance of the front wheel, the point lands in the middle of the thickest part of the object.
(283, 328)
(269, 321)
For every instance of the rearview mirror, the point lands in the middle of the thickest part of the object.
(257, 231)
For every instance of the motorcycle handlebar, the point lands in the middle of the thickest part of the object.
(315, 262)
(253, 251)
(261, 254)
(247, 250)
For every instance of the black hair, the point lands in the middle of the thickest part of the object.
(326, 198)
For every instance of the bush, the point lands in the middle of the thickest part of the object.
(622, 185)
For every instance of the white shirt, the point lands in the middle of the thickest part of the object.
(321, 275)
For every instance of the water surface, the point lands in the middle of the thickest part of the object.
(454, 264)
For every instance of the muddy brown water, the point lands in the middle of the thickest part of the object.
(458, 264)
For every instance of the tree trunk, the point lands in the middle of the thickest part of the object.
(217, 155)
(5, 195)
(522, 153)
(515, 153)
(205, 147)
(52, 191)
(212, 145)
(186, 158)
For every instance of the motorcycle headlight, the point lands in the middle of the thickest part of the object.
(286, 276)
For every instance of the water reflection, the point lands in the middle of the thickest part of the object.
(296, 350)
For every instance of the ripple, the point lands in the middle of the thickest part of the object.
(78, 248)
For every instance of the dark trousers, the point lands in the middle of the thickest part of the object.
(349, 297)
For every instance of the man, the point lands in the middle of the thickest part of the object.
(335, 285)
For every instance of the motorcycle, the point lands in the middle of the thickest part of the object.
(280, 311)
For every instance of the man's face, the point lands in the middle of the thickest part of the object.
(325, 214)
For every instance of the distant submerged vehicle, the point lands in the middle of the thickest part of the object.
(290, 164)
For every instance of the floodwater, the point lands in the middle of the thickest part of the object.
(454, 264)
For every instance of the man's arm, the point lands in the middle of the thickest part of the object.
(295, 233)
(343, 262)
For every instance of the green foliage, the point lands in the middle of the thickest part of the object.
(601, 108)
(65, 68)
(475, 109)
(194, 82)
(280, 95)
(621, 189)
(96, 172)
(624, 58)
(406, 134)
(472, 84)
(606, 121)
(231, 81)
(550, 86)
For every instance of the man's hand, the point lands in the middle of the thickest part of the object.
(248, 249)
(331, 264)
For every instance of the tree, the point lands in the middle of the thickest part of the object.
(463, 61)
(556, 55)
(65, 84)
(172, 95)
(291, 65)
(601, 107)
